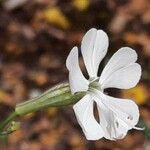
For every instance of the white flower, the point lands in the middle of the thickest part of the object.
(116, 115)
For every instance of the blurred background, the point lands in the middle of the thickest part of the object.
(35, 39)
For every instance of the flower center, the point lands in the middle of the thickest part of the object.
(94, 84)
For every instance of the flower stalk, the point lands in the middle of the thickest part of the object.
(57, 96)
(9, 119)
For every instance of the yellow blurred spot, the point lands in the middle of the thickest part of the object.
(131, 38)
(51, 111)
(81, 4)
(55, 16)
(29, 115)
(6, 98)
(41, 78)
(138, 94)
(3, 95)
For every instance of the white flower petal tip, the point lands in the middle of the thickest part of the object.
(138, 128)
(117, 116)
(124, 78)
(94, 47)
(121, 71)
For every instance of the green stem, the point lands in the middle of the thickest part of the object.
(9, 119)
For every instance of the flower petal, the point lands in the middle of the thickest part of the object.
(115, 127)
(123, 57)
(94, 47)
(105, 118)
(117, 116)
(125, 109)
(84, 114)
(123, 78)
(118, 128)
(76, 79)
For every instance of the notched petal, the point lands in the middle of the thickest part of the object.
(124, 78)
(94, 47)
(122, 58)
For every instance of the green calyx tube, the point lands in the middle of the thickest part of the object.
(59, 95)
